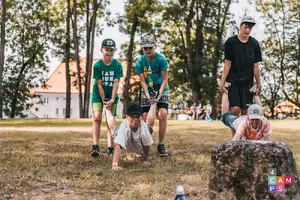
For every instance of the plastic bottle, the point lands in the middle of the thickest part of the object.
(180, 193)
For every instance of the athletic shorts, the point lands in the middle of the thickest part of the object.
(98, 107)
(240, 96)
(228, 119)
(162, 103)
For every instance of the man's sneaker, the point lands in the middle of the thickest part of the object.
(161, 150)
(110, 151)
(95, 150)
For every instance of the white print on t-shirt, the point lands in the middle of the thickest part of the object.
(108, 78)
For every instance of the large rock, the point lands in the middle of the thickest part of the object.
(240, 170)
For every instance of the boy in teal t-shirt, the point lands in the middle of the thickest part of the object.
(107, 74)
(153, 70)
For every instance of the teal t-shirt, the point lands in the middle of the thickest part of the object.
(152, 70)
(107, 74)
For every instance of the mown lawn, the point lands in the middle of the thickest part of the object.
(49, 159)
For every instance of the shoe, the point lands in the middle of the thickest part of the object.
(95, 150)
(110, 151)
(161, 150)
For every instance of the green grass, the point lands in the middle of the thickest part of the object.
(55, 164)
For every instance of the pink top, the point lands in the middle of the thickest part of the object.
(242, 127)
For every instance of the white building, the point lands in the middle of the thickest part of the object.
(53, 94)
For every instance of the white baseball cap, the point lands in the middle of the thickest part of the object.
(148, 41)
(248, 19)
(255, 111)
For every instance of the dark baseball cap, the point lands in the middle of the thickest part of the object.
(134, 109)
(108, 43)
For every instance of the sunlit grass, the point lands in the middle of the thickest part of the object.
(57, 165)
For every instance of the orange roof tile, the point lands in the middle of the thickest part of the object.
(56, 83)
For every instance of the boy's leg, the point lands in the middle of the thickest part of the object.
(111, 123)
(151, 115)
(225, 103)
(97, 119)
(162, 116)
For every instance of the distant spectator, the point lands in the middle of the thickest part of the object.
(194, 111)
(199, 111)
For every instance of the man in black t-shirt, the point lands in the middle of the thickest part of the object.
(242, 54)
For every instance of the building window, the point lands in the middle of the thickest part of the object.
(46, 100)
(57, 98)
(64, 111)
(57, 111)
(66, 99)
(46, 116)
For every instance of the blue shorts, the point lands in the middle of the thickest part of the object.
(228, 119)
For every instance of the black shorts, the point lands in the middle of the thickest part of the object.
(240, 96)
(159, 105)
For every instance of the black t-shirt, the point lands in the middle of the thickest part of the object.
(243, 56)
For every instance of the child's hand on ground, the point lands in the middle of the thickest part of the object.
(116, 168)
(146, 164)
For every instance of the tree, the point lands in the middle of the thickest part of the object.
(90, 38)
(135, 18)
(281, 20)
(76, 56)
(67, 61)
(29, 30)
(2, 50)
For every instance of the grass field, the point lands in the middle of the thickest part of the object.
(49, 159)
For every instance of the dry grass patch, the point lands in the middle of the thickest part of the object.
(55, 163)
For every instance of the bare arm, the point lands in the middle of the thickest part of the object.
(146, 152)
(227, 66)
(114, 93)
(100, 88)
(164, 83)
(116, 157)
(236, 137)
(268, 137)
(144, 85)
(257, 78)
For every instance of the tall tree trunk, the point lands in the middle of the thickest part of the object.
(87, 66)
(76, 47)
(199, 46)
(189, 44)
(67, 62)
(91, 37)
(126, 96)
(221, 20)
(17, 86)
(2, 55)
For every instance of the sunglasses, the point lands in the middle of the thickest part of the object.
(148, 48)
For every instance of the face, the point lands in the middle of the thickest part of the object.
(149, 51)
(134, 121)
(246, 29)
(108, 53)
(254, 123)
